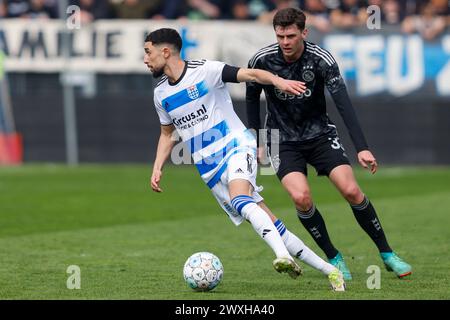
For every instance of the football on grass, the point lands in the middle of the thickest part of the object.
(203, 271)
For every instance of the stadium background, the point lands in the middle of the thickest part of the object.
(398, 79)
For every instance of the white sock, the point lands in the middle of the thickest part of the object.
(262, 224)
(298, 249)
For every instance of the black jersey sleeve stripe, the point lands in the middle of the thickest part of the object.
(253, 64)
(202, 61)
(320, 55)
(259, 54)
(192, 65)
(196, 63)
(164, 78)
(262, 51)
(229, 73)
(325, 52)
(313, 48)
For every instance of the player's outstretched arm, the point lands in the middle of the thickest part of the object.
(165, 145)
(265, 77)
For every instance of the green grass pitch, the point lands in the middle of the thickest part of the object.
(131, 243)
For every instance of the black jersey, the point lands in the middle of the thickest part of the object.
(304, 117)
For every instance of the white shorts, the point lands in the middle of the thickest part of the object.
(242, 165)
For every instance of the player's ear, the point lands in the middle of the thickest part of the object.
(305, 33)
(166, 52)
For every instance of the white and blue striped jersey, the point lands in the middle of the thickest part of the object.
(200, 108)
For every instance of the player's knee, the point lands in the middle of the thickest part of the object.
(302, 200)
(242, 204)
(352, 193)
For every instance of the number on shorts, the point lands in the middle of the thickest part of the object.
(337, 144)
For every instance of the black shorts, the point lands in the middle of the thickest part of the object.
(324, 154)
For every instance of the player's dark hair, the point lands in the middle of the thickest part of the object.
(167, 36)
(289, 16)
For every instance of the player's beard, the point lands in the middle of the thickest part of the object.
(158, 73)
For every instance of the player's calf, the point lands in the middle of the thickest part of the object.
(261, 222)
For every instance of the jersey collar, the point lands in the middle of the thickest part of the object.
(181, 77)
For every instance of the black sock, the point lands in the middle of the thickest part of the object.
(367, 218)
(313, 222)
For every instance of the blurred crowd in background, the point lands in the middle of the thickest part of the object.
(430, 18)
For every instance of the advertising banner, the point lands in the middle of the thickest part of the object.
(372, 61)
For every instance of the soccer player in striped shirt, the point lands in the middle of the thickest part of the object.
(191, 98)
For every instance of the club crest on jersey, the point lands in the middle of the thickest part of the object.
(308, 75)
(192, 92)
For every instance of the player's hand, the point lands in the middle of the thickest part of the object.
(155, 179)
(366, 159)
(290, 86)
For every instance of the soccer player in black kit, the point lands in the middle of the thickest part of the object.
(307, 136)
